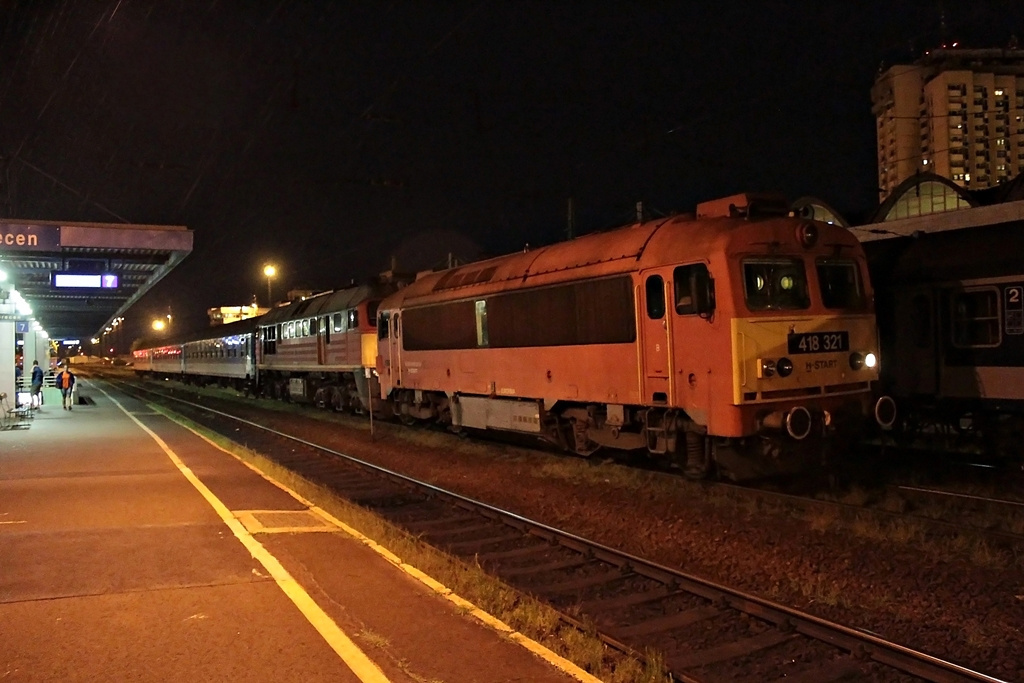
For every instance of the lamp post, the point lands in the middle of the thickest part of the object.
(270, 271)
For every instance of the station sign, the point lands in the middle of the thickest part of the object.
(15, 237)
(65, 280)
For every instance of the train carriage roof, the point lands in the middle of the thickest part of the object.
(216, 332)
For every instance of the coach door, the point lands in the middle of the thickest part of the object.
(395, 344)
(655, 340)
(916, 345)
(323, 338)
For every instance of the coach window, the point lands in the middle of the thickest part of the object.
(839, 281)
(383, 325)
(481, 323)
(975, 318)
(339, 325)
(313, 328)
(655, 288)
(305, 328)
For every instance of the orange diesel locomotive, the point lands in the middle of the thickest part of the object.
(737, 340)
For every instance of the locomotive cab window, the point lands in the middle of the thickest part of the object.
(839, 280)
(975, 318)
(775, 284)
(694, 290)
(383, 325)
(655, 294)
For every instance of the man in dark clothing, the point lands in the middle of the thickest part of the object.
(66, 384)
(37, 384)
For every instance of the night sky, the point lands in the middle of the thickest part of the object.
(328, 136)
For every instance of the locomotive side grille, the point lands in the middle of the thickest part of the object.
(791, 393)
(849, 386)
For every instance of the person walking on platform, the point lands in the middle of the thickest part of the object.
(66, 384)
(37, 384)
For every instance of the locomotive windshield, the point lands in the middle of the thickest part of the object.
(840, 284)
(773, 284)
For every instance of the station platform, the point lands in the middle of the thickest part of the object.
(132, 549)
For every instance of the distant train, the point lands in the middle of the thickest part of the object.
(739, 341)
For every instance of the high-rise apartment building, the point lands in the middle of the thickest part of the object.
(955, 112)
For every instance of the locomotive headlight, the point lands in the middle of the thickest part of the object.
(767, 367)
(863, 360)
(785, 367)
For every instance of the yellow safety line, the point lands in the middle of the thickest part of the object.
(490, 620)
(361, 665)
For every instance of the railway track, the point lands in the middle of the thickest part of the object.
(705, 632)
(908, 500)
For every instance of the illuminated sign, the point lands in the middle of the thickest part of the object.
(71, 342)
(29, 237)
(85, 281)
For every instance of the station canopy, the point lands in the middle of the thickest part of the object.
(79, 277)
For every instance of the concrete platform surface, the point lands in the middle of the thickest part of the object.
(133, 550)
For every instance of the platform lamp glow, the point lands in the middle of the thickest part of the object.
(270, 271)
(159, 325)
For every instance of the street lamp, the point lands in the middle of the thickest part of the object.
(270, 271)
(159, 325)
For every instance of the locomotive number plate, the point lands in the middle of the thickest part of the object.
(819, 342)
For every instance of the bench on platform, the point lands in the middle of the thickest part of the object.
(13, 418)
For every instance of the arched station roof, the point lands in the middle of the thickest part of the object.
(921, 195)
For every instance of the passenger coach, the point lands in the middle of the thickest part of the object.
(222, 355)
(739, 339)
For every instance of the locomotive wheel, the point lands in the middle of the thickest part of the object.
(337, 400)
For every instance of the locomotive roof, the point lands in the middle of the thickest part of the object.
(327, 302)
(670, 240)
